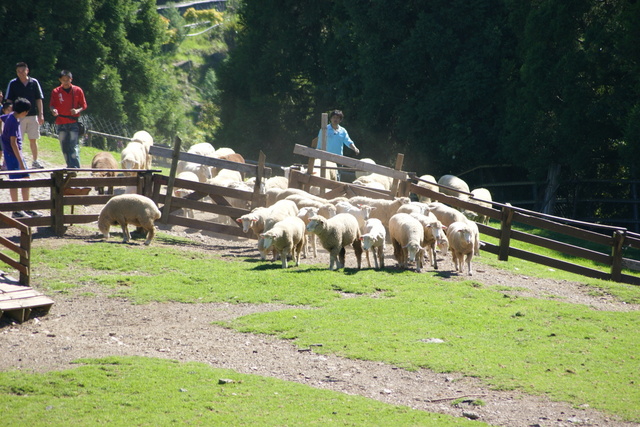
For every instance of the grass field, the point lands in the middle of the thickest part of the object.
(568, 352)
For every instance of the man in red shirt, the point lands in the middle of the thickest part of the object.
(67, 101)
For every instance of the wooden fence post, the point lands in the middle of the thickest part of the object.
(616, 254)
(25, 257)
(59, 180)
(259, 197)
(505, 233)
(166, 209)
(395, 183)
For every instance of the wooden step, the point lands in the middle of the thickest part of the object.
(19, 301)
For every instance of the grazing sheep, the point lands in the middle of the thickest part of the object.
(143, 137)
(427, 181)
(461, 243)
(454, 183)
(482, 197)
(446, 214)
(279, 211)
(373, 237)
(406, 236)
(286, 237)
(361, 212)
(336, 233)
(104, 160)
(127, 209)
(433, 233)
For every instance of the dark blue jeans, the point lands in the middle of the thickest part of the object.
(68, 136)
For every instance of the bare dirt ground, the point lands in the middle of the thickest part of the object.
(80, 326)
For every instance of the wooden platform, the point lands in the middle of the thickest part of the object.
(19, 301)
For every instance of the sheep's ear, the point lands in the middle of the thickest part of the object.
(444, 227)
(253, 220)
(239, 220)
(362, 238)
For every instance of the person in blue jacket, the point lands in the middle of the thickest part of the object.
(337, 136)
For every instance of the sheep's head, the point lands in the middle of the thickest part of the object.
(267, 239)
(316, 224)
(247, 221)
(367, 241)
(413, 249)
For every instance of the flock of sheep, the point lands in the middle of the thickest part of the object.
(293, 220)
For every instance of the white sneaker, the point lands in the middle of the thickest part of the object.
(37, 165)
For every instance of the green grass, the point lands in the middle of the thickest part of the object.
(568, 352)
(153, 392)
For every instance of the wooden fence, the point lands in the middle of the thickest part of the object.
(21, 251)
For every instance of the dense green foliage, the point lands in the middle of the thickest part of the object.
(113, 48)
(452, 84)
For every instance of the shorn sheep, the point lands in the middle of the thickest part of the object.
(373, 238)
(287, 237)
(336, 233)
(104, 160)
(406, 236)
(128, 209)
(461, 243)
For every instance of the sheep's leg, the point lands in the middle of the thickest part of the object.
(333, 259)
(341, 257)
(298, 249)
(357, 248)
(151, 232)
(469, 256)
(432, 251)
(283, 254)
(314, 241)
(397, 252)
(125, 232)
(380, 250)
(366, 253)
(419, 257)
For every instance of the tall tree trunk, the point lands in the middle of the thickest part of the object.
(553, 182)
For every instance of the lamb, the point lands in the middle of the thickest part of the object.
(457, 187)
(286, 237)
(182, 193)
(127, 209)
(433, 233)
(373, 237)
(427, 181)
(143, 137)
(407, 235)
(381, 208)
(361, 212)
(308, 212)
(461, 243)
(336, 233)
(104, 160)
(482, 197)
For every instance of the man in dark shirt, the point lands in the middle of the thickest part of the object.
(27, 87)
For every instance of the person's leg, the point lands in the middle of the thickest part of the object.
(13, 192)
(74, 147)
(33, 143)
(25, 193)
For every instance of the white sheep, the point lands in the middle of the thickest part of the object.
(433, 233)
(146, 140)
(336, 233)
(203, 171)
(382, 209)
(361, 212)
(286, 237)
(482, 197)
(127, 209)
(182, 192)
(456, 187)
(326, 209)
(372, 179)
(406, 236)
(306, 213)
(446, 214)
(360, 173)
(414, 207)
(279, 211)
(104, 160)
(133, 156)
(461, 243)
(427, 181)
(373, 238)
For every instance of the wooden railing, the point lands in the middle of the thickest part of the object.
(22, 250)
